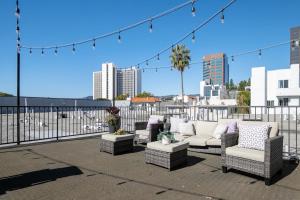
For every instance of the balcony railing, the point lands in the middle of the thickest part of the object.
(44, 123)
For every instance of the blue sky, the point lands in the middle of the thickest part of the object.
(248, 25)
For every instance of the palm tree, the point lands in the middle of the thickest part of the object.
(180, 59)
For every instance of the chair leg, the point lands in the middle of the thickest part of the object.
(224, 169)
(267, 181)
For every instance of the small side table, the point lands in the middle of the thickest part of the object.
(116, 144)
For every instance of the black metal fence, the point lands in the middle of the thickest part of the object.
(53, 123)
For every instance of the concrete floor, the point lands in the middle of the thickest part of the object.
(77, 170)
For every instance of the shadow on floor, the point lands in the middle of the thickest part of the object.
(288, 168)
(29, 179)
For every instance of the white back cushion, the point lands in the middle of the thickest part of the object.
(159, 117)
(272, 132)
(186, 129)
(219, 130)
(174, 123)
(205, 127)
(253, 136)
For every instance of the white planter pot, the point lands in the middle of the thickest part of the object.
(165, 140)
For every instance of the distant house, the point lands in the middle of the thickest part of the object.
(145, 101)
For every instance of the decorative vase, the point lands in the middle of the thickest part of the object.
(165, 140)
(111, 129)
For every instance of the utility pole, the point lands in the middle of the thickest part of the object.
(18, 69)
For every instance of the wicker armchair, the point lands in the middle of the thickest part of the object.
(270, 164)
(143, 135)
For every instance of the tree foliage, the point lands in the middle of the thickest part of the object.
(145, 94)
(122, 97)
(243, 100)
(180, 60)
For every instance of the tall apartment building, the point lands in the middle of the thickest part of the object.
(216, 69)
(129, 82)
(111, 82)
(294, 48)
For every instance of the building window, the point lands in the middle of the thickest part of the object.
(270, 103)
(284, 102)
(283, 83)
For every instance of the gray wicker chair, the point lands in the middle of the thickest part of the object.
(145, 136)
(271, 165)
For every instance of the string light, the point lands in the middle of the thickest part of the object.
(232, 58)
(73, 49)
(156, 69)
(193, 37)
(55, 51)
(125, 28)
(143, 70)
(119, 37)
(94, 44)
(30, 51)
(259, 53)
(17, 13)
(222, 17)
(193, 8)
(150, 26)
(158, 56)
(42, 51)
(147, 62)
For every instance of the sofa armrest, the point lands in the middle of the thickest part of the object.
(227, 140)
(140, 125)
(273, 155)
(155, 129)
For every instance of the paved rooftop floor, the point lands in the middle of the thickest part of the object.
(77, 170)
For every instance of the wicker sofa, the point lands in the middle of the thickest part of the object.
(264, 163)
(144, 135)
(203, 140)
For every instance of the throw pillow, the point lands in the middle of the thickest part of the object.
(232, 127)
(174, 123)
(151, 121)
(186, 129)
(220, 129)
(253, 136)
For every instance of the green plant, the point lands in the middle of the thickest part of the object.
(122, 97)
(120, 132)
(243, 101)
(167, 134)
(145, 94)
(180, 59)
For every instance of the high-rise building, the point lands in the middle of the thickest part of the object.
(97, 85)
(129, 82)
(216, 69)
(111, 82)
(295, 49)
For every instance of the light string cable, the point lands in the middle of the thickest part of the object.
(116, 32)
(192, 33)
(293, 43)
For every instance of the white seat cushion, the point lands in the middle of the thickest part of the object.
(251, 154)
(114, 138)
(214, 142)
(142, 132)
(173, 147)
(198, 140)
(179, 137)
(205, 127)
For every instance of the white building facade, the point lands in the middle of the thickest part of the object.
(280, 87)
(111, 82)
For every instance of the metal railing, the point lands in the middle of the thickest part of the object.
(53, 123)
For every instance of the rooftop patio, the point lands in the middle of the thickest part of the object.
(76, 169)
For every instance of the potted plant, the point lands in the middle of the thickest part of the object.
(113, 119)
(120, 132)
(166, 137)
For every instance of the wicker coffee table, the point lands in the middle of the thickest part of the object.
(168, 156)
(116, 144)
